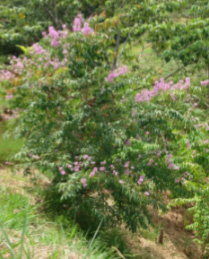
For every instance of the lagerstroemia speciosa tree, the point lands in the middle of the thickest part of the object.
(112, 149)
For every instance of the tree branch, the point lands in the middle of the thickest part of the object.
(126, 41)
(173, 73)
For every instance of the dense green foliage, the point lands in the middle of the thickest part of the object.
(116, 137)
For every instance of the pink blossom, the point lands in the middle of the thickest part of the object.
(53, 33)
(204, 83)
(112, 166)
(38, 49)
(127, 171)
(120, 181)
(116, 73)
(147, 193)
(80, 17)
(9, 96)
(161, 86)
(115, 173)
(103, 163)
(77, 168)
(173, 96)
(84, 182)
(134, 112)
(141, 179)
(93, 172)
(76, 25)
(126, 165)
(64, 26)
(150, 162)
(86, 30)
(206, 141)
(20, 65)
(55, 43)
(55, 36)
(62, 171)
(44, 34)
(171, 165)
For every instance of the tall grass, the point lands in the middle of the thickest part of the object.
(26, 232)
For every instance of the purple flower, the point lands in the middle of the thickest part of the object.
(147, 193)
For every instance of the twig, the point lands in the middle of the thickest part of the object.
(173, 73)
(126, 41)
(118, 252)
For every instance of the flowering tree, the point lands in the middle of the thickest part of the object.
(112, 150)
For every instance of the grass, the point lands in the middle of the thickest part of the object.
(9, 145)
(27, 232)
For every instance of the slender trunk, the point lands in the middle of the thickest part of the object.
(116, 49)
(161, 236)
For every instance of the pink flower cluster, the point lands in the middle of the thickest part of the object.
(141, 179)
(204, 83)
(39, 49)
(183, 178)
(62, 171)
(84, 182)
(161, 86)
(171, 165)
(36, 157)
(77, 26)
(6, 75)
(116, 73)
